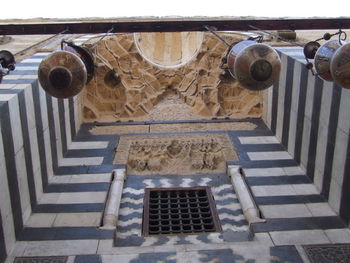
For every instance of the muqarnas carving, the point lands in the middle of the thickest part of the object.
(128, 87)
(178, 155)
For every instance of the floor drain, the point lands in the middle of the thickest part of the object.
(179, 211)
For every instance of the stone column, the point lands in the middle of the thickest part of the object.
(111, 213)
(250, 210)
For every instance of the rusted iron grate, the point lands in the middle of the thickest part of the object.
(179, 211)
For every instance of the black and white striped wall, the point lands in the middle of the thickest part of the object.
(36, 130)
(311, 119)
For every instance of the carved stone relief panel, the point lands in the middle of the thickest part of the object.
(175, 154)
(129, 87)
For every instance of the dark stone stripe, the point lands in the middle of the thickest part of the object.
(264, 164)
(3, 253)
(316, 108)
(91, 169)
(275, 89)
(78, 187)
(302, 223)
(289, 199)
(62, 123)
(88, 259)
(287, 101)
(237, 223)
(130, 216)
(52, 132)
(10, 91)
(72, 117)
(344, 211)
(133, 226)
(236, 212)
(89, 153)
(131, 205)
(40, 134)
(26, 148)
(64, 233)
(11, 169)
(227, 201)
(261, 147)
(68, 208)
(332, 132)
(67, 170)
(256, 121)
(301, 113)
(278, 180)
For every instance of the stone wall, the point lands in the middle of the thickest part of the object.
(36, 131)
(310, 116)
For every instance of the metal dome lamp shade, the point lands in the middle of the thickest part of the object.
(323, 58)
(64, 73)
(7, 63)
(254, 65)
(340, 66)
(331, 60)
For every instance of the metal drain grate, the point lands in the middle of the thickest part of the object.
(179, 211)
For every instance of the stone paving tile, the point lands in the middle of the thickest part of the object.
(341, 235)
(299, 237)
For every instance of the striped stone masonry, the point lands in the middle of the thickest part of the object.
(309, 116)
(55, 176)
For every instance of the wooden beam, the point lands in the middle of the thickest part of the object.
(172, 26)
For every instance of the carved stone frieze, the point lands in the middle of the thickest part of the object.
(175, 154)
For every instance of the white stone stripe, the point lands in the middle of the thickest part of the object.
(258, 140)
(32, 60)
(60, 247)
(88, 145)
(281, 95)
(129, 222)
(269, 106)
(339, 160)
(274, 171)
(6, 97)
(32, 131)
(133, 201)
(285, 211)
(21, 168)
(67, 122)
(5, 204)
(217, 189)
(299, 237)
(127, 211)
(80, 161)
(322, 137)
(294, 108)
(41, 54)
(26, 68)
(286, 189)
(223, 197)
(73, 198)
(82, 178)
(275, 155)
(133, 191)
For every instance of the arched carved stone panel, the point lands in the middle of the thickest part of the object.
(127, 87)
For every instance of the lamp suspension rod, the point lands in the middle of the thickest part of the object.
(215, 34)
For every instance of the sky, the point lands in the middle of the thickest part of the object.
(24, 9)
